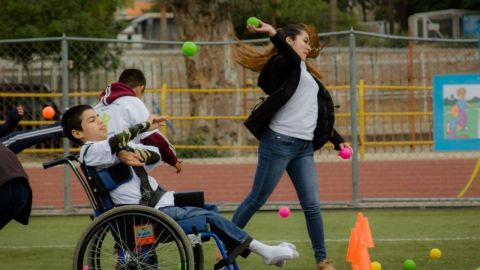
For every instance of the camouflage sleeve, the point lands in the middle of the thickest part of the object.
(120, 140)
(148, 156)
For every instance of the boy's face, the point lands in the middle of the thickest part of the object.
(93, 128)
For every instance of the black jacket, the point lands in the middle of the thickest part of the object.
(279, 79)
(12, 169)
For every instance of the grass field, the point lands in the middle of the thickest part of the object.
(399, 234)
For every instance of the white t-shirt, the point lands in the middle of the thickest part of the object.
(122, 113)
(99, 155)
(298, 117)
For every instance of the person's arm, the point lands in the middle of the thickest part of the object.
(290, 56)
(143, 155)
(104, 153)
(154, 138)
(337, 140)
(138, 157)
(13, 118)
(166, 149)
(20, 140)
(120, 140)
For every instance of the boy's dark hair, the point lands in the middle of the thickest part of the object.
(72, 119)
(132, 77)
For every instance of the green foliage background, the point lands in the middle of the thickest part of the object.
(52, 18)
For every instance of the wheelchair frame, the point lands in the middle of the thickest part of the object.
(185, 233)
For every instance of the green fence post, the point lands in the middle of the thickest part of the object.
(66, 168)
(353, 113)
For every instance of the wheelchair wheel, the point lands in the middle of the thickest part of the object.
(134, 237)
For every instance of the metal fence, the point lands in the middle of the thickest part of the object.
(386, 80)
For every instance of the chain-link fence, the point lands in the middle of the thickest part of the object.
(388, 77)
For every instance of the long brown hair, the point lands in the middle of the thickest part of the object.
(249, 57)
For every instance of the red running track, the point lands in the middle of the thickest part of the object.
(230, 183)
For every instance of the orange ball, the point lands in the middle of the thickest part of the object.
(48, 112)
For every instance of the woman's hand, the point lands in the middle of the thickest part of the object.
(156, 121)
(264, 28)
(343, 145)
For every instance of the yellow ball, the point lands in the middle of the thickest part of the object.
(435, 253)
(375, 265)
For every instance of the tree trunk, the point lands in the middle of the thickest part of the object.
(391, 20)
(211, 68)
(163, 21)
(333, 20)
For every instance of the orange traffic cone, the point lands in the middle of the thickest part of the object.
(367, 233)
(352, 245)
(360, 240)
(365, 263)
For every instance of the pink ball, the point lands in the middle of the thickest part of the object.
(284, 211)
(345, 153)
(85, 267)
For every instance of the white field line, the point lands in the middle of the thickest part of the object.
(423, 239)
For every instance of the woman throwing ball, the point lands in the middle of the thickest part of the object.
(295, 120)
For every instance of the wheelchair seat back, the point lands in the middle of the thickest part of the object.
(102, 182)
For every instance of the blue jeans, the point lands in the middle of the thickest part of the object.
(231, 235)
(277, 153)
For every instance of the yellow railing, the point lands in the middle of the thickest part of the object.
(164, 91)
(361, 87)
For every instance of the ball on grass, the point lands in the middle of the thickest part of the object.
(254, 21)
(284, 212)
(435, 253)
(409, 264)
(376, 266)
(48, 112)
(189, 48)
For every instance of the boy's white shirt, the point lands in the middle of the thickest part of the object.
(99, 155)
(122, 113)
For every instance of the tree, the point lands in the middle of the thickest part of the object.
(282, 12)
(53, 18)
(211, 68)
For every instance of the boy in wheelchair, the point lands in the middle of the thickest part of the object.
(82, 125)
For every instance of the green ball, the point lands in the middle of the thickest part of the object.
(409, 265)
(253, 21)
(189, 48)
(179, 266)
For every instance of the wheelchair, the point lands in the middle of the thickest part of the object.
(133, 237)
